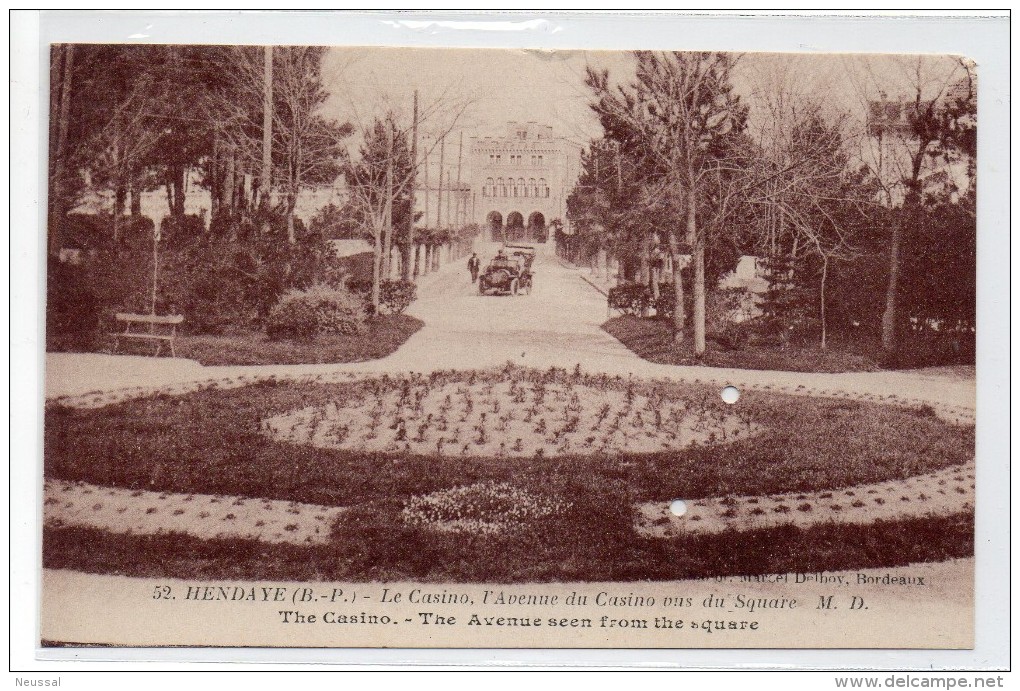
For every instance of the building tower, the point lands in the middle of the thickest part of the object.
(519, 182)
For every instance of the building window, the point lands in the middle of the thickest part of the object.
(540, 160)
(497, 159)
(533, 187)
(521, 187)
(500, 189)
(487, 190)
(543, 190)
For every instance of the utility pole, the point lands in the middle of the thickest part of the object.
(439, 199)
(388, 210)
(428, 190)
(405, 269)
(449, 196)
(461, 203)
(267, 128)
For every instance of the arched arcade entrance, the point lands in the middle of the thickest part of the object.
(494, 223)
(515, 230)
(537, 230)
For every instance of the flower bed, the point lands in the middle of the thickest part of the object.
(485, 508)
(549, 511)
(511, 419)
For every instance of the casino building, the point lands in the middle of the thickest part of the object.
(520, 181)
(513, 186)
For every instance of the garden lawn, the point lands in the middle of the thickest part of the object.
(382, 336)
(652, 339)
(581, 549)
(216, 441)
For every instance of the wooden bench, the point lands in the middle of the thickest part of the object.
(160, 329)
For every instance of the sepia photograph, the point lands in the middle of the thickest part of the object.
(460, 347)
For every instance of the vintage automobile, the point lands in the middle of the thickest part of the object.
(509, 273)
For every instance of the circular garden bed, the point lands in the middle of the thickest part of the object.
(503, 475)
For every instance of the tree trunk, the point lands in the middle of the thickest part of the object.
(119, 202)
(890, 318)
(388, 208)
(175, 190)
(439, 190)
(376, 267)
(409, 246)
(646, 244)
(265, 180)
(417, 260)
(136, 198)
(679, 316)
(291, 204)
(698, 257)
(215, 182)
(228, 183)
(821, 309)
(61, 74)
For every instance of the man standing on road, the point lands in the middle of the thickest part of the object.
(474, 264)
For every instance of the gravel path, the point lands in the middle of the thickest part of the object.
(201, 515)
(947, 491)
(557, 325)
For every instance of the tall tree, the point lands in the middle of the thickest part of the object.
(378, 183)
(678, 117)
(809, 200)
(61, 82)
(306, 147)
(309, 147)
(907, 137)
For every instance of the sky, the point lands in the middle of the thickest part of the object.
(496, 85)
(477, 91)
(548, 86)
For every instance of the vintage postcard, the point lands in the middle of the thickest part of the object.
(464, 348)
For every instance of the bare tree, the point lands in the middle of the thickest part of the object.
(676, 116)
(61, 77)
(371, 191)
(904, 134)
(804, 177)
(119, 151)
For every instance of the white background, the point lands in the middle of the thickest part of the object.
(984, 40)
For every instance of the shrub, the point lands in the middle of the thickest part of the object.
(86, 230)
(396, 296)
(177, 231)
(665, 304)
(630, 298)
(72, 308)
(318, 310)
(136, 232)
(292, 319)
(360, 286)
(332, 221)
